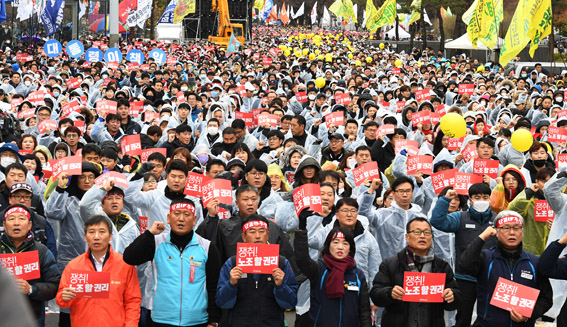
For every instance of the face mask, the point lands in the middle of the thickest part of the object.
(202, 76)
(212, 130)
(311, 97)
(203, 158)
(62, 131)
(539, 163)
(214, 94)
(558, 99)
(55, 94)
(524, 75)
(27, 83)
(104, 76)
(352, 163)
(184, 88)
(481, 206)
(5, 162)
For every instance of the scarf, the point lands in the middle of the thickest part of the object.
(510, 194)
(173, 195)
(335, 287)
(418, 263)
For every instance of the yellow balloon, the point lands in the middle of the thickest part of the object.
(312, 56)
(480, 69)
(453, 125)
(357, 63)
(368, 59)
(350, 56)
(320, 57)
(298, 54)
(522, 140)
(381, 45)
(329, 57)
(398, 63)
(305, 52)
(320, 82)
(317, 51)
(287, 52)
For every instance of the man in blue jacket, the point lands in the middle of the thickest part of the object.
(466, 225)
(552, 265)
(508, 261)
(256, 299)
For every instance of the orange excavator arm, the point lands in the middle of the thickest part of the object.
(221, 6)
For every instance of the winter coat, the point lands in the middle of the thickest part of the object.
(499, 200)
(535, 232)
(552, 265)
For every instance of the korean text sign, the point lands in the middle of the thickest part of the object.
(368, 171)
(257, 258)
(508, 295)
(423, 287)
(307, 196)
(90, 284)
(23, 265)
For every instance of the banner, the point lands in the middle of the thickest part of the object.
(469, 153)
(508, 295)
(194, 183)
(443, 179)
(182, 9)
(119, 179)
(386, 129)
(464, 180)
(411, 147)
(267, 9)
(378, 18)
(366, 172)
(335, 118)
(486, 167)
(42, 126)
(466, 88)
(540, 25)
(147, 152)
(424, 287)
(342, 98)
(143, 223)
(415, 11)
(543, 211)
(233, 45)
(90, 284)
(52, 15)
(130, 144)
(313, 13)
(423, 163)
(556, 134)
(307, 196)
(23, 265)
(421, 117)
(259, 4)
(72, 165)
(220, 189)
(257, 258)
(167, 17)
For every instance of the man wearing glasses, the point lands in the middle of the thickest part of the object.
(507, 260)
(387, 288)
(388, 224)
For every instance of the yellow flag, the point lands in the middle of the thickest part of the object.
(370, 12)
(524, 22)
(540, 26)
(348, 12)
(191, 9)
(383, 16)
(259, 4)
(337, 8)
(182, 9)
(484, 22)
(415, 11)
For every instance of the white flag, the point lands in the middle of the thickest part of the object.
(326, 17)
(300, 11)
(82, 8)
(25, 10)
(143, 12)
(426, 18)
(314, 14)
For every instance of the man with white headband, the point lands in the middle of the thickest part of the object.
(186, 269)
(507, 260)
(270, 294)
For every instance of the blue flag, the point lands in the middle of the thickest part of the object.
(52, 15)
(2, 10)
(233, 45)
(267, 8)
(167, 17)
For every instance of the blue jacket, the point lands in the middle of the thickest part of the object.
(255, 300)
(551, 265)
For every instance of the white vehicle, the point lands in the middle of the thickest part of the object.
(170, 32)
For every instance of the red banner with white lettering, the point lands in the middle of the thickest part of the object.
(220, 189)
(336, 118)
(455, 144)
(508, 295)
(143, 224)
(257, 258)
(556, 134)
(487, 167)
(543, 211)
(106, 106)
(193, 184)
(421, 117)
(386, 129)
(27, 113)
(147, 152)
(119, 179)
(411, 147)
(135, 108)
(248, 118)
(72, 165)
(73, 83)
(422, 95)
(466, 89)
(464, 180)
(23, 265)
(342, 98)
(264, 119)
(366, 172)
(90, 284)
(421, 163)
(424, 287)
(441, 110)
(443, 179)
(301, 97)
(70, 107)
(470, 153)
(307, 196)
(131, 144)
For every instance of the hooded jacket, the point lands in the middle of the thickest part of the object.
(306, 161)
(501, 197)
(535, 232)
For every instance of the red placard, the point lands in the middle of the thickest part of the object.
(112, 65)
(193, 184)
(561, 159)
(80, 124)
(470, 153)
(301, 96)
(21, 56)
(487, 167)
(337, 118)
(411, 147)
(90, 284)
(119, 179)
(37, 97)
(464, 180)
(107, 81)
(424, 287)
(368, 171)
(257, 258)
(560, 114)
(543, 211)
(400, 105)
(143, 223)
(25, 114)
(248, 118)
(443, 179)
(455, 144)
(256, 56)
(14, 103)
(220, 189)
(73, 83)
(22, 265)
(508, 295)
(147, 152)
(386, 129)
(171, 60)
(145, 67)
(267, 61)
(556, 134)
(181, 97)
(241, 90)
(104, 47)
(135, 108)
(130, 144)
(422, 95)
(264, 119)
(149, 114)
(441, 110)
(421, 117)
(86, 64)
(72, 165)
(421, 163)
(384, 104)
(42, 126)
(435, 118)
(396, 70)
(342, 98)
(307, 196)
(466, 89)
(107, 106)
(70, 107)
(132, 65)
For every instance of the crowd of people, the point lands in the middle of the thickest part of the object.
(290, 108)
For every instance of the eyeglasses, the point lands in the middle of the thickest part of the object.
(506, 229)
(88, 178)
(257, 174)
(418, 232)
(22, 197)
(347, 211)
(151, 182)
(403, 191)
